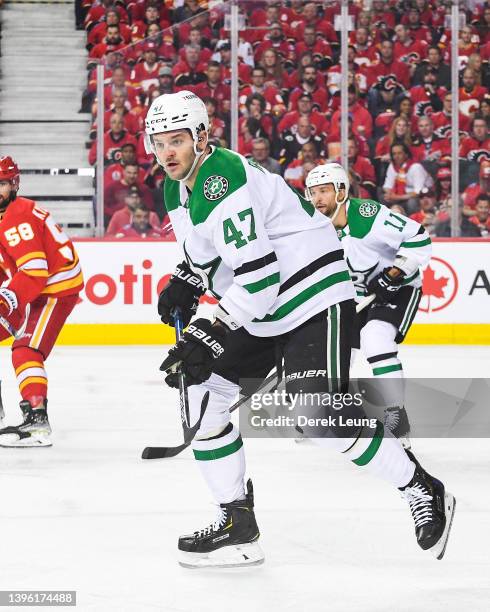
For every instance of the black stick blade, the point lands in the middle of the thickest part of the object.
(163, 452)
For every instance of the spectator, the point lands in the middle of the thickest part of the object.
(427, 147)
(164, 43)
(426, 215)
(276, 40)
(382, 103)
(305, 105)
(417, 29)
(223, 56)
(323, 28)
(121, 107)
(114, 172)
(362, 168)
(399, 133)
(408, 49)
(217, 126)
(319, 48)
(249, 130)
(398, 210)
(145, 73)
(98, 11)
(271, 94)
(309, 84)
(443, 187)
(481, 218)
(297, 171)
(443, 225)
(388, 65)
(481, 70)
(213, 87)
(442, 119)
(357, 76)
(114, 139)
(189, 71)
(197, 38)
(427, 98)
(471, 94)
(405, 179)
(466, 45)
(434, 61)
(152, 16)
(99, 31)
(476, 146)
(362, 122)
(165, 85)
(120, 81)
(471, 193)
(275, 74)
(485, 108)
(140, 226)
(116, 192)
(255, 106)
(261, 155)
(124, 216)
(292, 141)
(382, 16)
(112, 41)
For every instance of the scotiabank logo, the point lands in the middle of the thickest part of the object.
(439, 286)
(135, 285)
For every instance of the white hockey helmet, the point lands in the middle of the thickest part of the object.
(177, 111)
(325, 174)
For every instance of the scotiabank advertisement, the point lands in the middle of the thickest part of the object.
(123, 279)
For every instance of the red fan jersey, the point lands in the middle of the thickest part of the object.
(320, 48)
(97, 34)
(144, 75)
(442, 123)
(318, 122)
(475, 150)
(319, 98)
(469, 101)
(271, 94)
(381, 69)
(36, 256)
(221, 93)
(112, 147)
(323, 28)
(412, 52)
(128, 231)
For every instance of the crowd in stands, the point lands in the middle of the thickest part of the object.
(399, 97)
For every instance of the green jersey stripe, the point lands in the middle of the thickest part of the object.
(413, 245)
(372, 449)
(219, 453)
(305, 295)
(387, 369)
(263, 283)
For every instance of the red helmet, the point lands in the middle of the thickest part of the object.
(9, 171)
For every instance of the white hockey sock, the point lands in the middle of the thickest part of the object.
(381, 454)
(222, 463)
(380, 349)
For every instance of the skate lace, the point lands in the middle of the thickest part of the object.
(213, 527)
(419, 500)
(392, 418)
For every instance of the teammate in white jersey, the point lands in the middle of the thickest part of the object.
(385, 253)
(277, 268)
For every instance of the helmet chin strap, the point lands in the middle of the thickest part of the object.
(339, 204)
(198, 155)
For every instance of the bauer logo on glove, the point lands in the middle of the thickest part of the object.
(203, 342)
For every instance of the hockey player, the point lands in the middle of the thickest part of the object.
(277, 268)
(384, 252)
(38, 266)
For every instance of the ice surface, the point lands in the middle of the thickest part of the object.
(89, 514)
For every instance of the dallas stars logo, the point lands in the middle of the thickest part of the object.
(368, 209)
(215, 187)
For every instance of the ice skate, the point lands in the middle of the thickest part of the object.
(231, 541)
(432, 509)
(34, 431)
(396, 420)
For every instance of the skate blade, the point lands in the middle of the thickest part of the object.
(13, 441)
(241, 555)
(439, 548)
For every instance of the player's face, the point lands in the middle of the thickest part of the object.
(323, 198)
(175, 151)
(5, 191)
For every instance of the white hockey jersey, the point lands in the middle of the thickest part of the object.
(376, 238)
(266, 254)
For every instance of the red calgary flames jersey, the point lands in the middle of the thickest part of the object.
(36, 256)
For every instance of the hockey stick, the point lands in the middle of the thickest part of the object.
(162, 452)
(364, 303)
(16, 333)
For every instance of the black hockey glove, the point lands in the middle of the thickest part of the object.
(182, 291)
(194, 355)
(385, 286)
